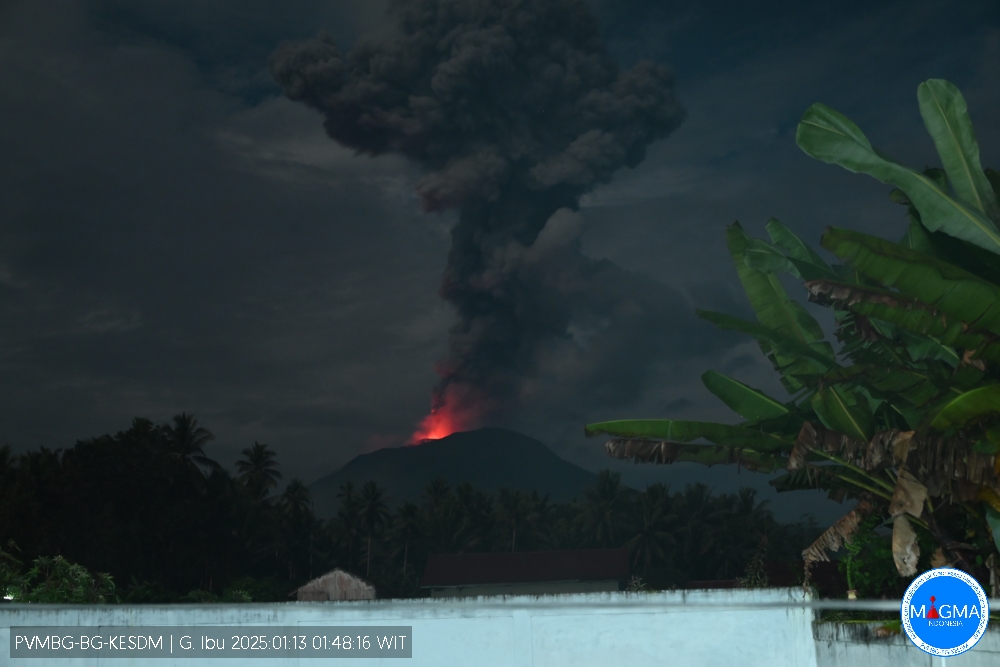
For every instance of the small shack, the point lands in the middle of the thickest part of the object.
(526, 573)
(335, 585)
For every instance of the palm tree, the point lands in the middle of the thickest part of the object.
(6, 461)
(258, 470)
(740, 532)
(474, 518)
(296, 498)
(296, 504)
(406, 525)
(649, 528)
(374, 513)
(513, 509)
(437, 508)
(697, 510)
(605, 507)
(184, 440)
(520, 511)
(345, 526)
(436, 493)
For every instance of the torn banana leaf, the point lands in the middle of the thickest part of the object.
(834, 537)
(905, 551)
(687, 431)
(910, 314)
(666, 452)
(909, 495)
(941, 285)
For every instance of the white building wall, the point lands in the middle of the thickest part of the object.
(769, 627)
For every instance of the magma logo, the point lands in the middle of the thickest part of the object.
(945, 612)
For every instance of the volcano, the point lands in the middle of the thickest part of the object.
(487, 458)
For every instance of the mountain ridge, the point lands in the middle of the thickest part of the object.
(487, 458)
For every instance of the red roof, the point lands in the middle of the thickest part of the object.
(521, 567)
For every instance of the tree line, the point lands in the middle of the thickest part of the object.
(167, 523)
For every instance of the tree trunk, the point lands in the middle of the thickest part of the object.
(368, 568)
(406, 550)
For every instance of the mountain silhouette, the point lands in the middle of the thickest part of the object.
(487, 458)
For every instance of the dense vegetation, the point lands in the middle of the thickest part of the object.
(905, 416)
(150, 508)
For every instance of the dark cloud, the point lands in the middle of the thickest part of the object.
(229, 40)
(175, 235)
(515, 110)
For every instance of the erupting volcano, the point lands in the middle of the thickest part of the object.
(438, 424)
(452, 411)
(515, 110)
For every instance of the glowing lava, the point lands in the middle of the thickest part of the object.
(440, 423)
(453, 408)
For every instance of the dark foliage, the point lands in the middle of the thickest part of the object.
(169, 524)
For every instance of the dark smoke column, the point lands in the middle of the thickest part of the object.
(515, 109)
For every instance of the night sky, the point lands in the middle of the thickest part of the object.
(178, 235)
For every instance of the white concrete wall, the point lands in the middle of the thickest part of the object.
(853, 644)
(686, 628)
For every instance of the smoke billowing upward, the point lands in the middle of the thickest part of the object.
(514, 109)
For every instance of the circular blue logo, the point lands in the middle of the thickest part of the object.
(945, 612)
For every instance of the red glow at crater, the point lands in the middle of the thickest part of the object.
(455, 408)
(440, 423)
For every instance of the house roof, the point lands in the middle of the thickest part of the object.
(521, 567)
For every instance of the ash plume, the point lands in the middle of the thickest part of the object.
(515, 109)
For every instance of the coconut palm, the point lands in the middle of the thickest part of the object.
(296, 499)
(296, 505)
(515, 510)
(258, 470)
(475, 518)
(185, 439)
(605, 507)
(345, 528)
(649, 528)
(374, 512)
(407, 527)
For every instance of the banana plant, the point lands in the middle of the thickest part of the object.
(905, 417)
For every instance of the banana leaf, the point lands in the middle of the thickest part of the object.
(811, 477)
(909, 495)
(768, 298)
(665, 452)
(924, 347)
(831, 137)
(686, 431)
(810, 265)
(834, 537)
(993, 520)
(947, 120)
(905, 550)
(941, 285)
(820, 352)
(840, 410)
(914, 316)
(768, 259)
(912, 385)
(749, 403)
(993, 176)
(918, 238)
(967, 407)
(939, 245)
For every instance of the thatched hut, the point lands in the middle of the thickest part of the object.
(335, 585)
